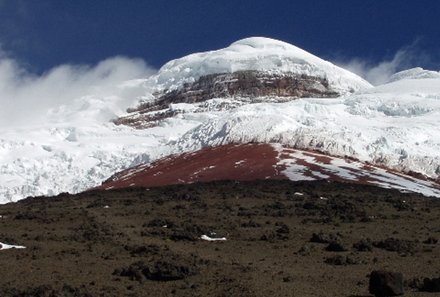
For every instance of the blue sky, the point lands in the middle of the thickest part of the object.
(44, 34)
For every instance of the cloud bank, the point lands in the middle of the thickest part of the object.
(378, 73)
(26, 97)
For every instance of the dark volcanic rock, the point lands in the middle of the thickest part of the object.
(157, 271)
(252, 84)
(240, 84)
(431, 285)
(247, 84)
(431, 240)
(340, 260)
(425, 285)
(364, 245)
(395, 245)
(386, 283)
(324, 238)
(336, 247)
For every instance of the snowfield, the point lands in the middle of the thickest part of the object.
(396, 125)
(385, 126)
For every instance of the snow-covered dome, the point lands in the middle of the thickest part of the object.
(414, 73)
(258, 54)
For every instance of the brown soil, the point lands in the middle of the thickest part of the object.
(146, 242)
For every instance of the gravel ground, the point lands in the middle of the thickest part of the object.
(282, 239)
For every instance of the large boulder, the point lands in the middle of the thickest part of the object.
(431, 285)
(386, 283)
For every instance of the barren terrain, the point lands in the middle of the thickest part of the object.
(283, 238)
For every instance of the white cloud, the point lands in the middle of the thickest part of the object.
(379, 73)
(25, 97)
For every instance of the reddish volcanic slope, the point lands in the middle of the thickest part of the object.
(229, 162)
(245, 162)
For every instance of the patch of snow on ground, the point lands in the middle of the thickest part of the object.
(4, 246)
(207, 238)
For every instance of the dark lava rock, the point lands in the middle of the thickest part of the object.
(310, 206)
(425, 285)
(157, 271)
(336, 247)
(386, 283)
(415, 283)
(431, 285)
(364, 245)
(395, 245)
(431, 240)
(324, 238)
(340, 260)
(240, 84)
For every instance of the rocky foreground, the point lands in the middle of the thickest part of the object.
(262, 238)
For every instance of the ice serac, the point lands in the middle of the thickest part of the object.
(251, 68)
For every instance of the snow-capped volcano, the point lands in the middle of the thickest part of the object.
(251, 70)
(298, 100)
(256, 54)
